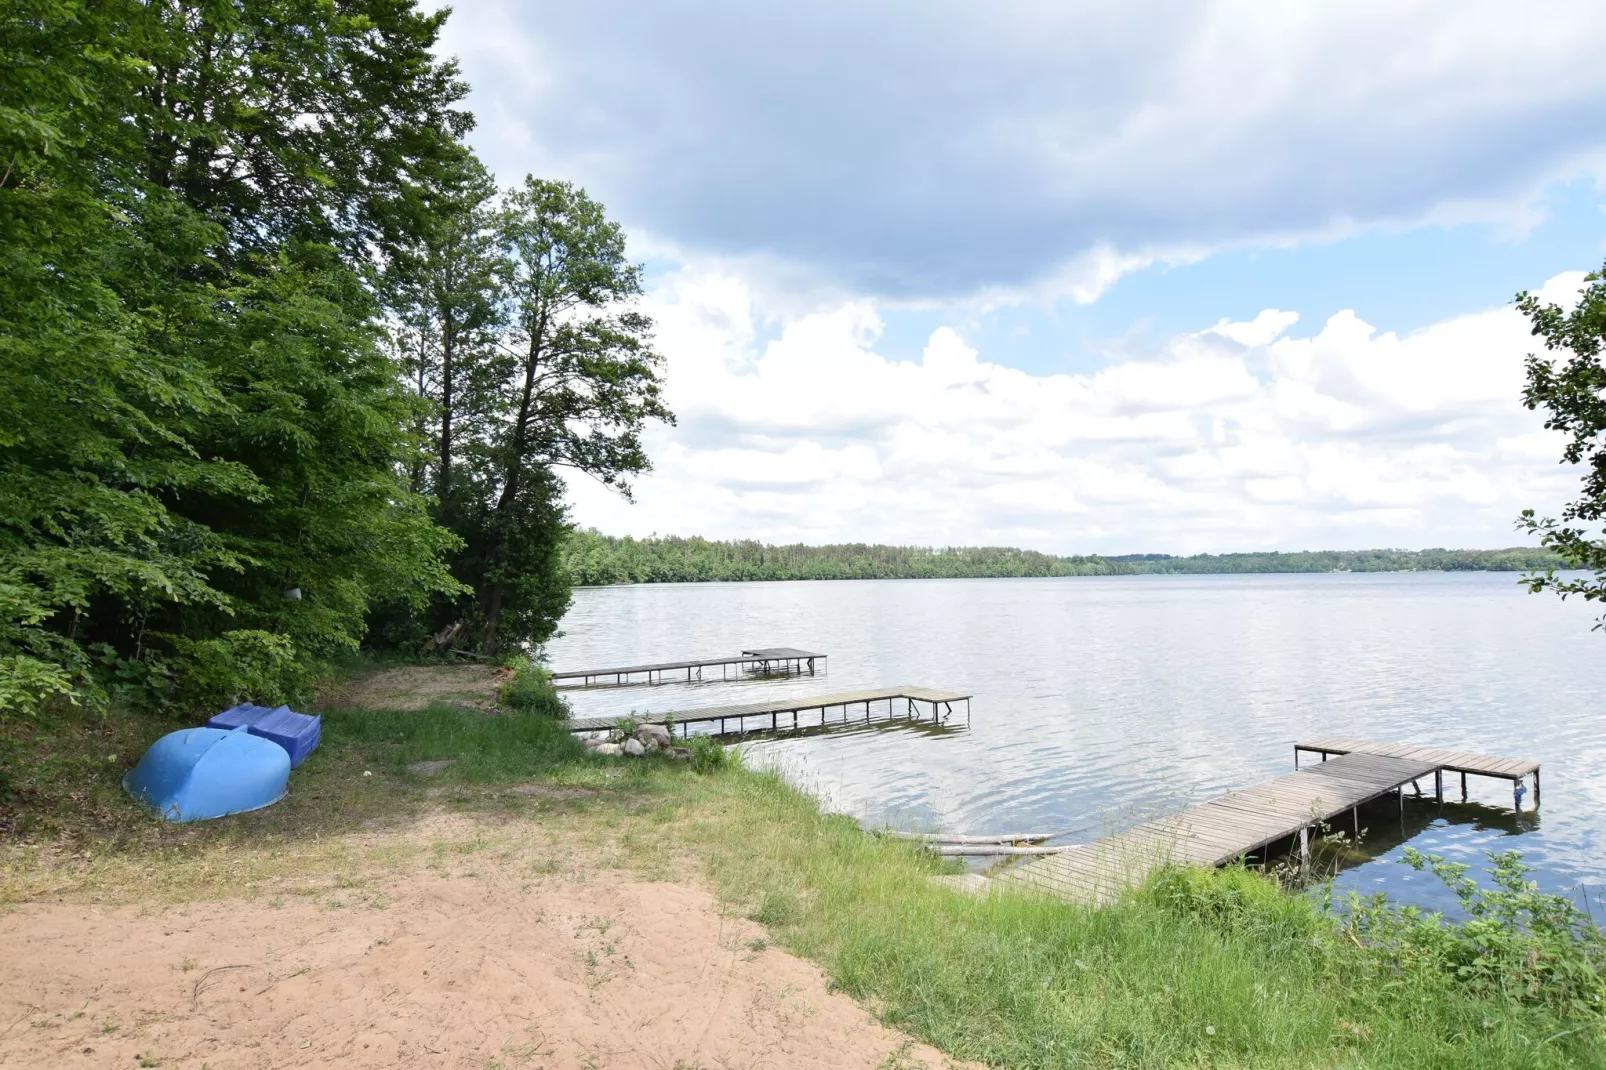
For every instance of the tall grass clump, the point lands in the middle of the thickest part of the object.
(1197, 968)
(484, 747)
(529, 691)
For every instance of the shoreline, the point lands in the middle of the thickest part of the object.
(1217, 968)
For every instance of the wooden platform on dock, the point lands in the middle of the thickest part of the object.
(1220, 830)
(1453, 760)
(720, 718)
(762, 660)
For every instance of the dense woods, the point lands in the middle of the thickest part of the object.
(282, 372)
(591, 558)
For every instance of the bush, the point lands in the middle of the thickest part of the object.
(707, 755)
(529, 690)
(1517, 942)
(238, 666)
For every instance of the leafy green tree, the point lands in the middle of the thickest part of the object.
(582, 383)
(92, 425)
(199, 461)
(444, 285)
(1571, 387)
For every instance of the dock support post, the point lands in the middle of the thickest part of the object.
(1438, 785)
(1536, 789)
(1463, 787)
(1304, 849)
(1296, 757)
(1355, 815)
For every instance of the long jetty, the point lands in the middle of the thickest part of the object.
(914, 703)
(764, 661)
(1353, 773)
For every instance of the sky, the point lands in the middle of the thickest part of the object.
(1085, 278)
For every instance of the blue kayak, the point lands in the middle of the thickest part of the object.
(200, 773)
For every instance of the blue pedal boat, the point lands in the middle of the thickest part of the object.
(196, 774)
(298, 733)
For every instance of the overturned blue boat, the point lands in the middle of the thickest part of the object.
(200, 773)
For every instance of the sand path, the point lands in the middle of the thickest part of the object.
(425, 969)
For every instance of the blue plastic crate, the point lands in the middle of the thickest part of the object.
(297, 733)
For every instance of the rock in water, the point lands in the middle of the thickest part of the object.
(634, 748)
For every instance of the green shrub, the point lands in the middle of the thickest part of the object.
(1517, 943)
(529, 690)
(238, 666)
(707, 755)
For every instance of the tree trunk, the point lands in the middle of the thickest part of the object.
(415, 479)
(511, 480)
(493, 617)
(443, 482)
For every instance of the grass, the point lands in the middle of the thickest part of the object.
(1154, 981)
(1198, 970)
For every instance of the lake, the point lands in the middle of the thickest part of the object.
(1100, 702)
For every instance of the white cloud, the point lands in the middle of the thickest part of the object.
(944, 149)
(1238, 436)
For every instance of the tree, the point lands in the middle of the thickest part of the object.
(445, 289)
(581, 383)
(201, 433)
(1571, 387)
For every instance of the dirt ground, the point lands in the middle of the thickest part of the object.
(476, 959)
(414, 687)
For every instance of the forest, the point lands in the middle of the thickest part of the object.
(593, 559)
(283, 371)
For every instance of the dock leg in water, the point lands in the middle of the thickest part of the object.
(1463, 787)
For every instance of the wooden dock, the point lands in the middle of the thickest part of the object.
(738, 718)
(1454, 761)
(1223, 829)
(764, 661)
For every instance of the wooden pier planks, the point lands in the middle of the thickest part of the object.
(1453, 760)
(773, 708)
(762, 658)
(1220, 830)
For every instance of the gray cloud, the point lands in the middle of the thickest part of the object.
(932, 148)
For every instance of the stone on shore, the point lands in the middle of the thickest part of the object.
(655, 732)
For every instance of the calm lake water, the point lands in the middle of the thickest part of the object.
(1103, 701)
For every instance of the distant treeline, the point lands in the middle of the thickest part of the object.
(593, 559)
